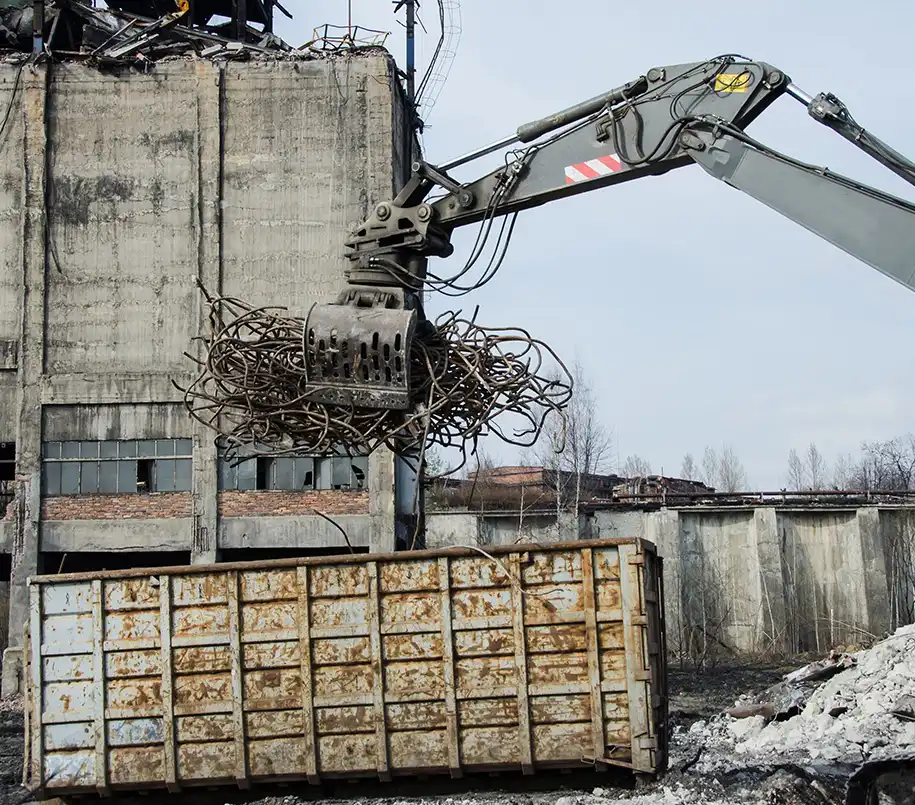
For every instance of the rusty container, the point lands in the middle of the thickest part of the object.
(453, 661)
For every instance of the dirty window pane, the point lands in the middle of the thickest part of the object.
(284, 475)
(164, 480)
(146, 448)
(165, 447)
(69, 449)
(322, 473)
(127, 477)
(51, 450)
(51, 478)
(247, 475)
(108, 477)
(183, 475)
(304, 473)
(183, 447)
(342, 473)
(360, 469)
(88, 449)
(69, 478)
(227, 475)
(108, 449)
(127, 449)
(88, 482)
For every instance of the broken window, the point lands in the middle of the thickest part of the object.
(116, 467)
(144, 479)
(7, 461)
(278, 473)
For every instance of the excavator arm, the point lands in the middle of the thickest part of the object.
(668, 118)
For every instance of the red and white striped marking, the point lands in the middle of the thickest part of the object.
(585, 171)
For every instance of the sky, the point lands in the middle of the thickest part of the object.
(699, 316)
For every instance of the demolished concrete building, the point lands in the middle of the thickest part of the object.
(119, 191)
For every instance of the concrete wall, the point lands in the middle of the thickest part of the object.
(118, 192)
(752, 580)
(8, 395)
(775, 579)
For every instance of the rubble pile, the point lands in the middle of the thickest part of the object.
(139, 32)
(864, 712)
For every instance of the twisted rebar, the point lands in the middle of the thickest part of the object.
(251, 388)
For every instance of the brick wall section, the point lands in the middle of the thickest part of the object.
(278, 504)
(117, 507)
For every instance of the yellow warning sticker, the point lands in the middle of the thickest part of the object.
(733, 82)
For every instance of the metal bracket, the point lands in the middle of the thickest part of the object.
(604, 124)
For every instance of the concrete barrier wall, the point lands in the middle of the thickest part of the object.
(750, 580)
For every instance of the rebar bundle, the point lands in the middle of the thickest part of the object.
(252, 387)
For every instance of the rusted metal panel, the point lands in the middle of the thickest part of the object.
(136, 765)
(132, 594)
(422, 751)
(450, 661)
(201, 729)
(490, 747)
(522, 669)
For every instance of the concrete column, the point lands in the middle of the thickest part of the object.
(664, 531)
(210, 118)
(33, 98)
(381, 500)
(771, 631)
(873, 560)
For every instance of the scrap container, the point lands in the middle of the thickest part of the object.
(453, 661)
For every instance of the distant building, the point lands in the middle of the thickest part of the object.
(659, 486)
(538, 487)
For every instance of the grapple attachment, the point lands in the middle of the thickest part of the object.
(359, 355)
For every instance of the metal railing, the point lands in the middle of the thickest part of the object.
(822, 497)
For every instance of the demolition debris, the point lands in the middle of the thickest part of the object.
(137, 32)
(254, 386)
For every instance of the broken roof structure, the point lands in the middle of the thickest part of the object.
(138, 31)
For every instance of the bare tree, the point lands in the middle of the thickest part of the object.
(797, 475)
(688, 469)
(731, 474)
(576, 444)
(433, 463)
(843, 471)
(710, 465)
(887, 466)
(636, 467)
(479, 472)
(816, 467)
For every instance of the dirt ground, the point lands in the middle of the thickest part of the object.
(697, 695)
(693, 697)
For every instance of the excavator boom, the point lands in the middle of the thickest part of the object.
(358, 349)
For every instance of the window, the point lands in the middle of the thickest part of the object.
(7, 475)
(292, 473)
(7, 461)
(116, 467)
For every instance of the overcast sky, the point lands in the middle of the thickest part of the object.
(700, 316)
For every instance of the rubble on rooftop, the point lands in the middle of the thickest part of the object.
(134, 32)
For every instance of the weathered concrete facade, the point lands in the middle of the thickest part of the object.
(746, 579)
(118, 192)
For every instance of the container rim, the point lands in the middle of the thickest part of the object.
(644, 546)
